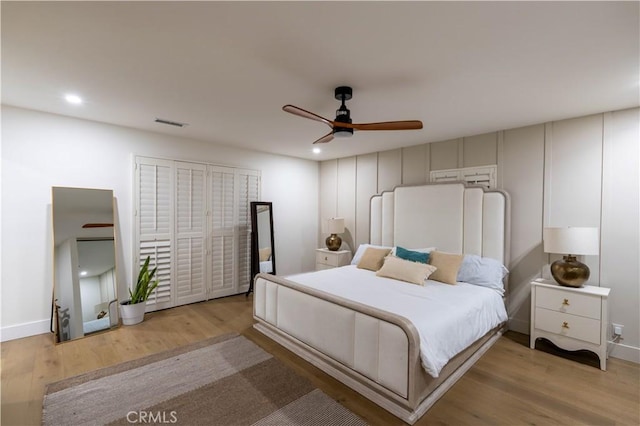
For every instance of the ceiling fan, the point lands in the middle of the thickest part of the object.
(342, 125)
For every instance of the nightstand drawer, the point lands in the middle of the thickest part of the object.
(576, 327)
(326, 259)
(569, 302)
(330, 259)
(322, 266)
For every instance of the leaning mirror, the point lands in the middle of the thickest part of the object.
(84, 290)
(263, 256)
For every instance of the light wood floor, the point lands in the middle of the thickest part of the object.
(510, 385)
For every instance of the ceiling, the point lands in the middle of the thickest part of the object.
(72, 208)
(227, 68)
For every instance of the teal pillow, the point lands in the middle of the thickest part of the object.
(414, 256)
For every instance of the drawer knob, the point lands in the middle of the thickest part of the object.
(565, 302)
(565, 324)
(326, 258)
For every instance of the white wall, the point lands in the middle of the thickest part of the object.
(90, 297)
(619, 245)
(107, 287)
(41, 150)
(578, 172)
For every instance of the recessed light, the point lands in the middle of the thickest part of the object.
(73, 99)
(83, 273)
(317, 150)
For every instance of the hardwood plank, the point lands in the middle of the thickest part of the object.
(510, 384)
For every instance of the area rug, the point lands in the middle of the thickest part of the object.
(227, 380)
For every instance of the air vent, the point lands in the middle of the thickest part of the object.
(170, 123)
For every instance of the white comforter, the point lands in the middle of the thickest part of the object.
(96, 325)
(448, 318)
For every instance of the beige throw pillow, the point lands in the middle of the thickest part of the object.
(447, 264)
(373, 258)
(264, 254)
(405, 270)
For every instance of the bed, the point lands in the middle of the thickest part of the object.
(354, 332)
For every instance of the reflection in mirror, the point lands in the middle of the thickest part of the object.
(263, 256)
(84, 262)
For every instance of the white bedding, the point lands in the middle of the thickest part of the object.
(266, 267)
(96, 325)
(448, 318)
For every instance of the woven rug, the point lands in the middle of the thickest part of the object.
(227, 380)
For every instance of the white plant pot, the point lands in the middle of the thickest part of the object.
(132, 314)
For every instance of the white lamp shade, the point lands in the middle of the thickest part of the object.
(335, 225)
(571, 240)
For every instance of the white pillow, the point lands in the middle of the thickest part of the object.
(361, 250)
(482, 271)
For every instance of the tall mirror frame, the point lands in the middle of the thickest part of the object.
(263, 253)
(84, 263)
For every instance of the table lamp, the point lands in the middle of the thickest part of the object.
(570, 241)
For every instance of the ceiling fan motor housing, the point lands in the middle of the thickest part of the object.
(343, 115)
(343, 91)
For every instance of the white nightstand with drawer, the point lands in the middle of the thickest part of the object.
(571, 318)
(327, 259)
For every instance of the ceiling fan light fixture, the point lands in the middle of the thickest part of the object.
(342, 132)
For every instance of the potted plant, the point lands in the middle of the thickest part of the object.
(132, 310)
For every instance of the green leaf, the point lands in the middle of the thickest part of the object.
(144, 286)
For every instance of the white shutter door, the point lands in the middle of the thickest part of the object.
(155, 221)
(190, 233)
(248, 190)
(223, 246)
(160, 252)
(193, 220)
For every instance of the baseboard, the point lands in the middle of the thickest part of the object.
(626, 352)
(19, 331)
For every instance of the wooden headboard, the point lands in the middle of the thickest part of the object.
(453, 217)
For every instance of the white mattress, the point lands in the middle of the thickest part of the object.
(448, 318)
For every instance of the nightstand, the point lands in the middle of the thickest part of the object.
(327, 259)
(571, 318)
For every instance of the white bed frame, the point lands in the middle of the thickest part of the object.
(372, 351)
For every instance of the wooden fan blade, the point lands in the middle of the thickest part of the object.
(306, 114)
(97, 225)
(326, 138)
(385, 125)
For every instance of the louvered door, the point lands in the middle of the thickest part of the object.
(194, 221)
(154, 218)
(190, 233)
(222, 263)
(248, 190)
